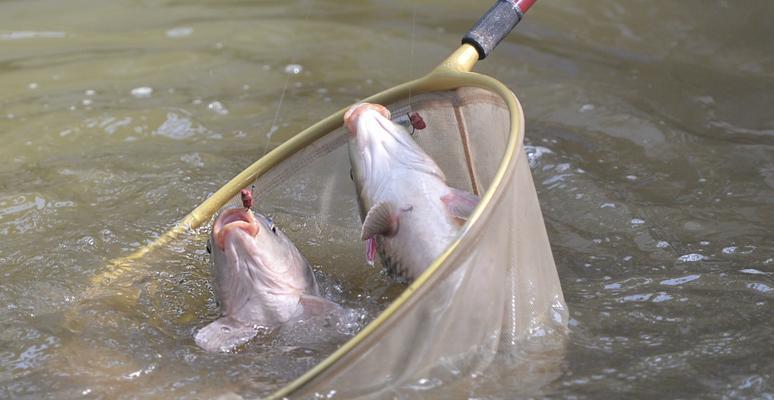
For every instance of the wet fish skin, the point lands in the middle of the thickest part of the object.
(410, 215)
(260, 280)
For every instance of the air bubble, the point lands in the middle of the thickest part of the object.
(293, 69)
(217, 107)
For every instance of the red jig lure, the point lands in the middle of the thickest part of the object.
(417, 123)
(247, 198)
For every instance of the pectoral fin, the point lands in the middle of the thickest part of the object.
(460, 203)
(380, 220)
(316, 305)
(224, 334)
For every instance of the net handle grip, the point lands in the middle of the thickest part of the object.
(495, 25)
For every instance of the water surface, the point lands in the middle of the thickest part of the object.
(649, 127)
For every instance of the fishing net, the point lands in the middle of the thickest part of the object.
(495, 289)
(493, 292)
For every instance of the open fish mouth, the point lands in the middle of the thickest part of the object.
(354, 112)
(231, 220)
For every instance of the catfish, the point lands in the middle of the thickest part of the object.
(410, 215)
(261, 280)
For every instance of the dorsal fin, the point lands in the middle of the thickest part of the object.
(380, 220)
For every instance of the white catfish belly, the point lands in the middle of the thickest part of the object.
(254, 296)
(268, 309)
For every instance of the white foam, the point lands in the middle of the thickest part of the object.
(761, 287)
(193, 159)
(693, 257)
(31, 35)
(637, 297)
(752, 271)
(661, 297)
(180, 31)
(680, 280)
(534, 153)
(217, 107)
(142, 92)
(177, 127)
(729, 250)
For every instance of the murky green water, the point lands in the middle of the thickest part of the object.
(651, 135)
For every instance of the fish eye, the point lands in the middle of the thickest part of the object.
(209, 249)
(271, 224)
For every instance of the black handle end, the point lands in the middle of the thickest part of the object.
(493, 27)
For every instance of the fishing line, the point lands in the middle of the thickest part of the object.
(276, 115)
(411, 54)
(289, 73)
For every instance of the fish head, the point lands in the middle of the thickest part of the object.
(248, 251)
(378, 147)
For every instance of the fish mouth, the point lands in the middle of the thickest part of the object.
(231, 220)
(354, 112)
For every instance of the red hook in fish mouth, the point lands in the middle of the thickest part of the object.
(247, 198)
(232, 219)
(354, 112)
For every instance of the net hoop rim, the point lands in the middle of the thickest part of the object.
(452, 73)
(439, 79)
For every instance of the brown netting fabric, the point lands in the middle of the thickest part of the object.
(497, 292)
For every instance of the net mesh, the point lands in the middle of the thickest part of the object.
(496, 291)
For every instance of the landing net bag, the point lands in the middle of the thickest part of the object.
(493, 290)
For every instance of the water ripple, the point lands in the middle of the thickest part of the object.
(681, 280)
